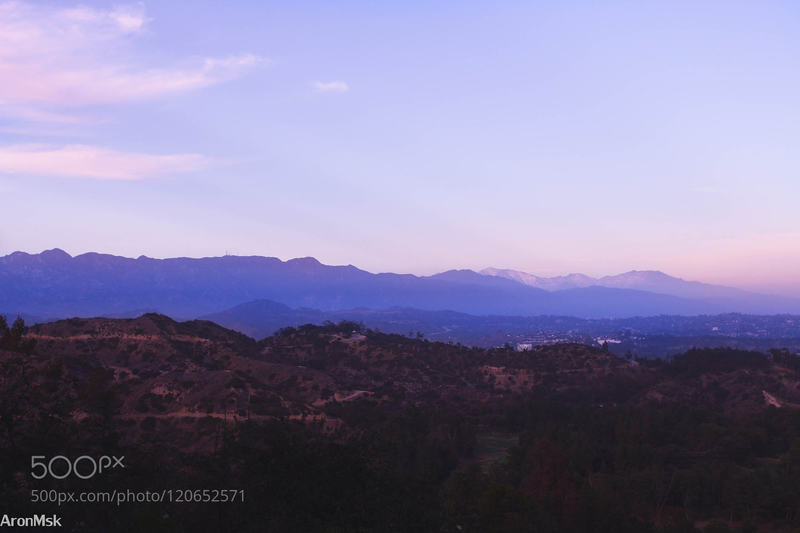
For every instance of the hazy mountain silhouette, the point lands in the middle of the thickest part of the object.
(54, 284)
(642, 280)
(556, 283)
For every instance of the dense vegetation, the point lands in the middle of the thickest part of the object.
(417, 462)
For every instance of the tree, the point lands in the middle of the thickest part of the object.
(12, 339)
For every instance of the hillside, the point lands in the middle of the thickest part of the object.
(197, 368)
(353, 423)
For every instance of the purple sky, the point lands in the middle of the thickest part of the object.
(550, 137)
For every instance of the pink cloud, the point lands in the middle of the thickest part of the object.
(94, 162)
(66, 57)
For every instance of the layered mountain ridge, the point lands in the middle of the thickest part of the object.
(643, 280)
(54, 284)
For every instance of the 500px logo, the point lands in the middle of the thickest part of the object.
(84, 467)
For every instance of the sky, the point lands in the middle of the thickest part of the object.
(548, 137)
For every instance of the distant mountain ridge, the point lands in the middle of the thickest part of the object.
(55, 284)
(642, 280)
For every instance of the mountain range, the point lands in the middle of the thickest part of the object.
(55, 284)
(642, 280)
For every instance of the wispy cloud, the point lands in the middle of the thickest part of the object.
(58, 64)
(84, 161)
(330, 86)
(58, 57)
